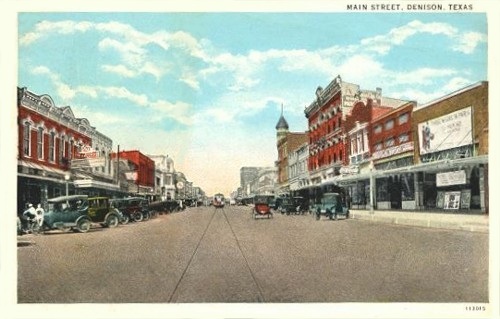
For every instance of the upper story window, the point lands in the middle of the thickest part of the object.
(62, 148)
(377, 129)
(403, 118)
(389, 142)
(389, 125)
(52, 147)
(40, 143)
(27, 139)
(405, 137)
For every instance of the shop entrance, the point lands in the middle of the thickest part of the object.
(395, 192)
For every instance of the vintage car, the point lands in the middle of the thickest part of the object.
(78, 212)
(293, 205)
(331, 206)
(261, 207)
(100, 211)
(132, 208)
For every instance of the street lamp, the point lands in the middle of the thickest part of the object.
(372, 188)
(66, 179)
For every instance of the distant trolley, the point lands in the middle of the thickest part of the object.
(218, 201)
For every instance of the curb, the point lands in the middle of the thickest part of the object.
(424, 222)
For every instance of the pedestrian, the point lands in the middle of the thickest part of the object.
(28, 215)
(39, 214)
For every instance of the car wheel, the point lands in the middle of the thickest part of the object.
(330, 216)
(125, 220)
(347, 215)
(146, 216)
(335, 216)
(138, 216)
(112, 221)
(317, 216)
(83, 225)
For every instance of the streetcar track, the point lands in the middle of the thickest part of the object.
(261, 295)
(191, 258)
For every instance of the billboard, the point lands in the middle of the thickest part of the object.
(445, 132)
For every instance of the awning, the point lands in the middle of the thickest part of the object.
(435, 166)
(90, 183)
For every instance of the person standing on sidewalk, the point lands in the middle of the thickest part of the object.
(39, 214)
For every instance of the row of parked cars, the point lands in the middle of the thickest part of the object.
(79, 212)
(329, 205)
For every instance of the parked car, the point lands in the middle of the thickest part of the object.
(78, 212)
(67, 212)
(331, 206)
(100, 211)
(132, 208)
(293, 205)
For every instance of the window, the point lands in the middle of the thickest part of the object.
(378, 146)
(70, 151)
(403, 118)
(40, 143)
(405, 137)
(377, 129)
(353, 146)
(389, 125)
(360, 143)
(52, 148)
(389, 142)
(62, 148)
(26, 139)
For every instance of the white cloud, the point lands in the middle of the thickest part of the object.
(120, 70)
(422, 76)
(468, 42)
(382, 44)
(124, 93)
(455, 84)
(178, 111)
(361, 67)
(190, 79)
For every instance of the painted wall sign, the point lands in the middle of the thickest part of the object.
(393, 150)
(445, 132)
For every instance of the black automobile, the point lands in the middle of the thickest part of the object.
(331, 206)
(293, 205)
(132, 208)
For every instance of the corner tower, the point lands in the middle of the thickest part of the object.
(281, 127)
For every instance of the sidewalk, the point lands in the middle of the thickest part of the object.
(467, 222)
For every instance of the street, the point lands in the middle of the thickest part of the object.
(223, 255)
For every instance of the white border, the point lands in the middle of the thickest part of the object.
(8, 153)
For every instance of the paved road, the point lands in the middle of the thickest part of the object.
(208, 255)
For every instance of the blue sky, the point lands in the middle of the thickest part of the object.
(207, 88)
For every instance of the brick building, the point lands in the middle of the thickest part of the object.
(451, 151)
(139, 171)
(374, 133)
(329, 128)
(49, 138)
(286, 142)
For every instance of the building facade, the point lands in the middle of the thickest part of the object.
(164, 177)
(327, 130)
(451, 154)
(298, 173)
(139, 172)
(286, 143)
(49, 138)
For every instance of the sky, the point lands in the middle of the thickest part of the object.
(207, 88)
